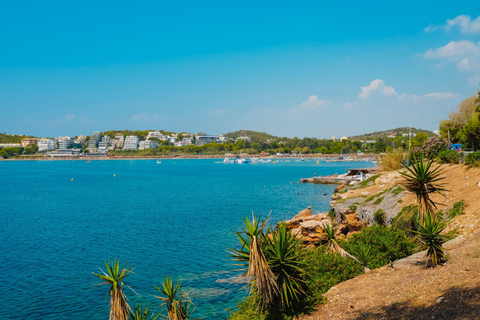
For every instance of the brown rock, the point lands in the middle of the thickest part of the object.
(340, 187)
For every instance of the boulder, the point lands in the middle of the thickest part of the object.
(364, 193)
(303, 214)
(340, 187)
(479, 184)
(309, 227)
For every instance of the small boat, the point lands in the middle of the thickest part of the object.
(159, 161)
(226, 160)
(88, 161)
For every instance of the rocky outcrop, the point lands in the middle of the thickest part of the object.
(309, 227)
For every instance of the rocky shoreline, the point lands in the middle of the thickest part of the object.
(352, 209)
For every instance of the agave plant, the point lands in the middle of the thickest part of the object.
(139, 313)
(365, 255)
(119, 308)
(422, 180)
(284, 254)
(432, 239)
(252, 258)
(178, 308)
(332, 245)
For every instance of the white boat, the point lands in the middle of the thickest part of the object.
(159, 161)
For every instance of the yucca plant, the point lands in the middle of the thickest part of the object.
(432, 239)
(332, 245)
(284, 254)
(139, 313)
(365, 255)
(175, 300)
(119, 308)
(253, 261)
(422, 180)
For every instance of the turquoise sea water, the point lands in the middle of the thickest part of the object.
(171, 219)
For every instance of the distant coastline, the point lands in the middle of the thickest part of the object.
(352, 157)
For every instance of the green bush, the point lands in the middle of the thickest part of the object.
(379, 200)
(473, 159)
(248, 309)
(325, 270)
(388, 244)
(380, 216)
(405, 219)
(449, 156)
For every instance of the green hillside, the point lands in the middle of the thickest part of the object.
(254, 135)
(12, 138)
(385, 133)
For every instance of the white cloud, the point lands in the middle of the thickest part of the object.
(442, 95)
(312, 103)
(147, 118)
(432, 95)
(217, 111)
(473, 81)
(462, 22)
(349, 104)
(465, 54)
(377, 86)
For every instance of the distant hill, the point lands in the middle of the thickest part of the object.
(254, 135)
(12, 138)
(385, 133)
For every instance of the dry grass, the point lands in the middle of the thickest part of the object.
(392, 160)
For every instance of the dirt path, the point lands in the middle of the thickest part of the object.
(410, 291)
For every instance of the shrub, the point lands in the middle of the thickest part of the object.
(457, 209)
(449, 156)
(353, 207)
(379, 200)
(473, 159)
(405, 219)
(380, 216)
(430, 148)
(326, 270)
(392, 160)
(388, 244)
(247, 309)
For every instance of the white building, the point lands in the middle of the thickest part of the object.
(94, 140)
(148, 144)
(157, 135)
(10, 145)
(104, 143)
(64, 142)
(80, 140)
(411, 135)
(117, 142)
(172, 139)
(131, 143)
(46, 144)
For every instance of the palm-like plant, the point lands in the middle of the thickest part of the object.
(178, 308)
(284, 255)
(332, 245)
(251, 257)
(422, 180)
(432, 239)
(365, 255)
(139, 313)
(114, 277)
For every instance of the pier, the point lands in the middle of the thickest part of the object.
(358, 174)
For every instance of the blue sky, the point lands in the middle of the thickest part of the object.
(291, 69)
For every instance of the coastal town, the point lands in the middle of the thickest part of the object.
(159, 142)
